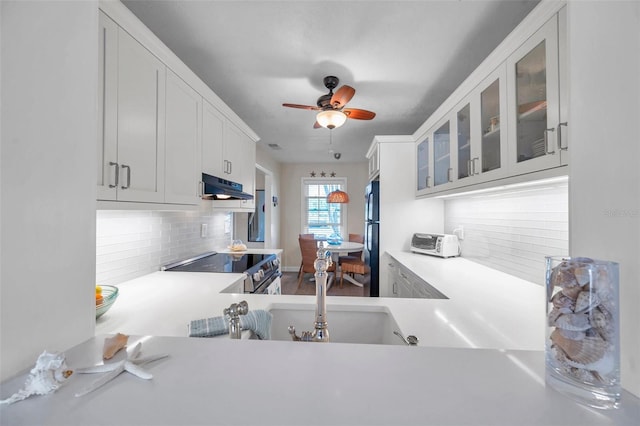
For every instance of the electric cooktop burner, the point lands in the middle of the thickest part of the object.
(219, 262)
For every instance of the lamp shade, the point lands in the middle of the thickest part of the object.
(338, 196)
(331, 118)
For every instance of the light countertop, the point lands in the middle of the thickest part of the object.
(250, 382)
(221, 381)
(485, 309)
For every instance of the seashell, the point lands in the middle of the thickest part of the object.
(586, 301)
(582, 274)
(574, 322)
(583, 352)
(602, 367)
(49, 373)
(572, 292)
(113, 344)
(553, 316)
(563, 302)
(602, 322)
(562, 276)
(573, 334)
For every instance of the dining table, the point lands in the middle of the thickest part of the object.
(342, 248)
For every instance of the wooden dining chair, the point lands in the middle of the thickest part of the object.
(353, 267)
(309, 251)
(305, 236)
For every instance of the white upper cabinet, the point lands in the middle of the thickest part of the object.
(534, 102)
(107, 164)
(234, 154)
(141, 122)
(489, 135)
(373, 156)
(132, 103)
(213, 123)
(160, 126)
(507, 120)
(423, 160)
(183, 142)
(227, 153)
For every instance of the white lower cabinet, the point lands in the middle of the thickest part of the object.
(406, 284)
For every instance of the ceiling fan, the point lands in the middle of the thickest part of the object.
(332, 106)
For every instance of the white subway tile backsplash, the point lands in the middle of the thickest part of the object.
(513, 231)
(131, 243)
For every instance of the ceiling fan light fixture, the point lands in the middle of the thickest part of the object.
(331, 119)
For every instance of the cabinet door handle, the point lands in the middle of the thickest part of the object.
(230, 167)
(449, 170)
(200, 190)
(117, 170)
(124, 166)
(546, 140)
(560, 147)
(395, 288)
(473, 162)
(428, 179)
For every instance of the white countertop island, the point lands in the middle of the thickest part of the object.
(480, 361)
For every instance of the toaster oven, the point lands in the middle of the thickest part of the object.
(441, 245)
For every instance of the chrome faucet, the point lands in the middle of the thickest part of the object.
(320, 332)
(234, 311)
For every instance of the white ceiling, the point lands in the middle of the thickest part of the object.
(404, 58)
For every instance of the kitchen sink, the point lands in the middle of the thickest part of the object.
(346, 323)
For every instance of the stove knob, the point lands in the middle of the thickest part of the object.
(276, 262)
(257, 276)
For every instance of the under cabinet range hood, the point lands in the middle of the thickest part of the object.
(215, 188)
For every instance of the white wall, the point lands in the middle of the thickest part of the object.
(266, 161)
(604, 121)
(290, 206)
(401, 214)
(131, 243)
(513, 230)
(48, 190)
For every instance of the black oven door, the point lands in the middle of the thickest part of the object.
(263, 287)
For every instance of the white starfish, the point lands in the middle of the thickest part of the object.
(131, 364)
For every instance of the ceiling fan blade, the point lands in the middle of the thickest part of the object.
(342, 96)
(314, 108)
(316, 125)
(359, 114)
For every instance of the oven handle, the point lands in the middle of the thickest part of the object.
(262, 288)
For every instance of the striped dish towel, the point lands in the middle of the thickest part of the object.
(258, 321)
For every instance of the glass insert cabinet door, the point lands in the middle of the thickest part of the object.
(490, 122)
(464, 142)
(531, 96)
(422, 156)
(534, 103)
(442, 155)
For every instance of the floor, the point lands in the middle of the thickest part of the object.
(290, 286)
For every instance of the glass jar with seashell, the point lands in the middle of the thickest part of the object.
(582, 346)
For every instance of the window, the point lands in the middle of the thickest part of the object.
(318, 216)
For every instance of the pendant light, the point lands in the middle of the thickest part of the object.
(338, 196)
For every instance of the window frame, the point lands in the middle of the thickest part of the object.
(305, 182)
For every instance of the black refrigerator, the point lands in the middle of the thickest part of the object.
(372, 234)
